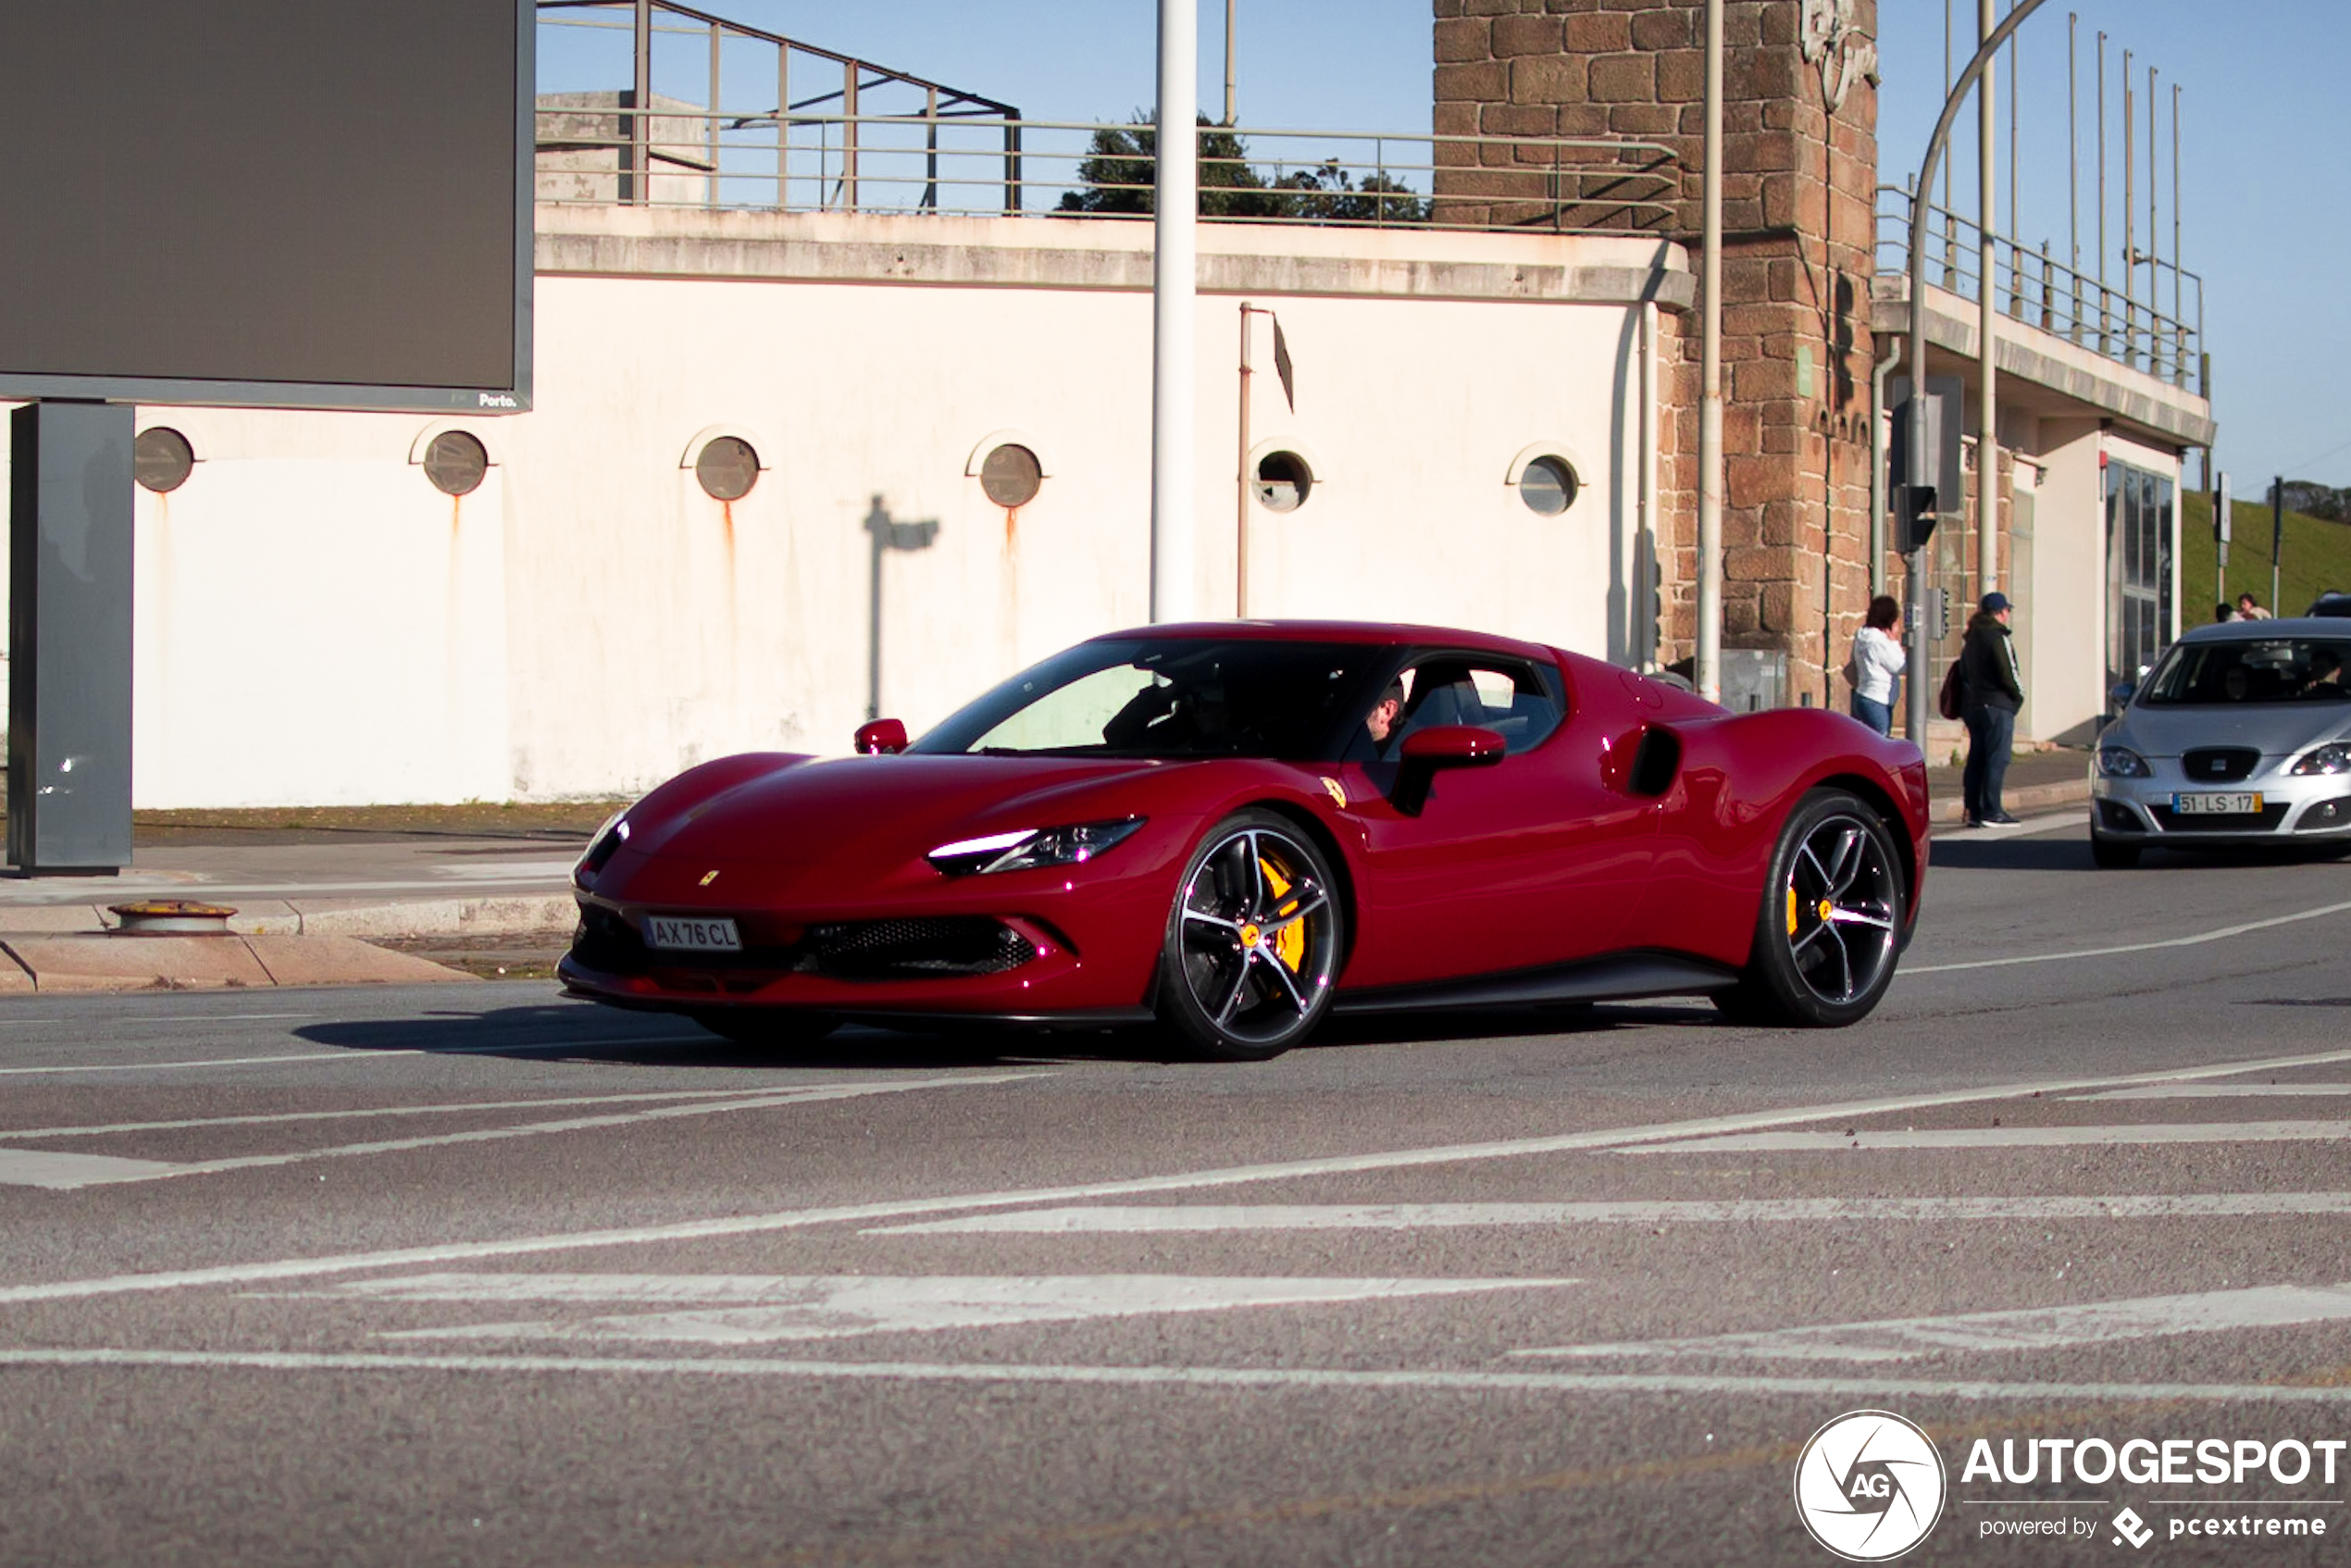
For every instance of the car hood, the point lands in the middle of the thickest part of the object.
(2274, 728)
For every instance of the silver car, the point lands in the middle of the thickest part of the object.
(2240, 735)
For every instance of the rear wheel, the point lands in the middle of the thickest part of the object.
(768, 1029)
(1252, 942)
(2109, 855)
(1829, 931)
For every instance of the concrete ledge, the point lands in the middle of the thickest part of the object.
(83, 962)
(439, 917)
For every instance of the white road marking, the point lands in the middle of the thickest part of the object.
(2219, 1092)
(1868, 1139)
(793, 1219)
(357, 1055)
(755, 1309)
(1143, 1219)
(48, 1167)
(2032, 1328)
(2221, 934)
(454, 1108)
(1263, 1379)
(153, 1171)
(216, 1061)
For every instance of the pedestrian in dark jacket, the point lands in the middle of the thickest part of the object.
(1994, 692)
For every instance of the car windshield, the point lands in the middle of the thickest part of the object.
(1176, 697)
(2273, 669)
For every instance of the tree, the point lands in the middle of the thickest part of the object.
(1121, 165)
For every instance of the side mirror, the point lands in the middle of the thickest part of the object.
(2122, 692)
(881, 737)
(1427, 753)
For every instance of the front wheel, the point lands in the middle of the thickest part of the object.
(1253, 940)
(1830, 929)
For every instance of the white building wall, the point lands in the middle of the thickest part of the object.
(316, 624)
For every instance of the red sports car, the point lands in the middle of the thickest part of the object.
(1234, 830)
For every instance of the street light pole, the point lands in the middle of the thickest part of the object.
(1706, 664)
(1915, 705)
(1174, 221)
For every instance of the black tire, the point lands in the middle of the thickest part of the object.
(2111, 855)
(767, 1028)
(1253, 940)
(1829, 932)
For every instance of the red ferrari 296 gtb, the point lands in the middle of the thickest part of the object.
(1235, 829)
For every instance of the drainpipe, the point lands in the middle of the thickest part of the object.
(1706, 665)
(1877, 465)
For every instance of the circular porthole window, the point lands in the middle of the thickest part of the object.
(1011, 476)
(456, 463)
(162, 459)
(1283, 481)
(727, 468)
(1548, 486)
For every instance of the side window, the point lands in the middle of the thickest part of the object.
(1514, 699)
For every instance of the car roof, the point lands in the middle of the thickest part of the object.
(1385, 633)
(2277, 626)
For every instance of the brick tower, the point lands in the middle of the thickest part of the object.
(1800, 178)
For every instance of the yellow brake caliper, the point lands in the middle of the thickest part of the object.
(1289, 943)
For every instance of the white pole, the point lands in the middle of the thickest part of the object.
(1173, 273)
(1707, 664)
(1988, 439)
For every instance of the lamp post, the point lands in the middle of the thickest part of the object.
(1915, 705)
(1174, 221)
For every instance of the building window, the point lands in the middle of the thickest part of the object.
(1011, 476)
(727, 468)
(1548, 486)
(456, 463)
(162, 458)
(1283, 481)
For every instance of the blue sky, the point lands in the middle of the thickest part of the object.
(2263, 181)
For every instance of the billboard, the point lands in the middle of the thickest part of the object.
(284, 203)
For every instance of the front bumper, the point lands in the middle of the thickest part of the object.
(2294, 808)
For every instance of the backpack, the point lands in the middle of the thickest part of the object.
(1950, 701)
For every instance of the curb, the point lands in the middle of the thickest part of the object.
(1948, 811)
(82, 962)
(495, 916)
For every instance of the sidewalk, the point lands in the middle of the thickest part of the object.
(2038, 781)
(450, 882)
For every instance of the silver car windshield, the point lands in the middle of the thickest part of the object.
(2274, 669)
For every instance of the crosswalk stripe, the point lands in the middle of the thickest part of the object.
(753, 1309)
(2002, 1137)
(1136, 1219)
(2031, 1328)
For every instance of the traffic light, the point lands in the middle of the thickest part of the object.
(1914, 516)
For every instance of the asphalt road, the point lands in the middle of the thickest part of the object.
(483, 1277)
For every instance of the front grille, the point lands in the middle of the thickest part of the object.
(910, 949)
(914, 949)
(2241, 822)
(2222, 765)
(2116, 817)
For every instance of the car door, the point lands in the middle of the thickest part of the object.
(1535, 860)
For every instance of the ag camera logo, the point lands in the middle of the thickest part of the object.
(1869, 1485)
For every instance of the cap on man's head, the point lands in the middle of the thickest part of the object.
(1994, 604)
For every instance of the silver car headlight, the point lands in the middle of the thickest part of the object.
(2333, 757)
(1028, 848)
(2120, 762)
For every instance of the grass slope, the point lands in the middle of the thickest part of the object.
(2318, 556)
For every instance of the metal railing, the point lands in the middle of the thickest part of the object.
(2113, 321)
(594, 148)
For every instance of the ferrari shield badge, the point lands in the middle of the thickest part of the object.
(1337, 791)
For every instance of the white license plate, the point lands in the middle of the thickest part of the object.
(2239, 804)
(675, 935)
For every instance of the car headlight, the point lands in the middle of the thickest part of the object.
(1031, 847)
(2120, 762)
(2331, 758)
(602, 847)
